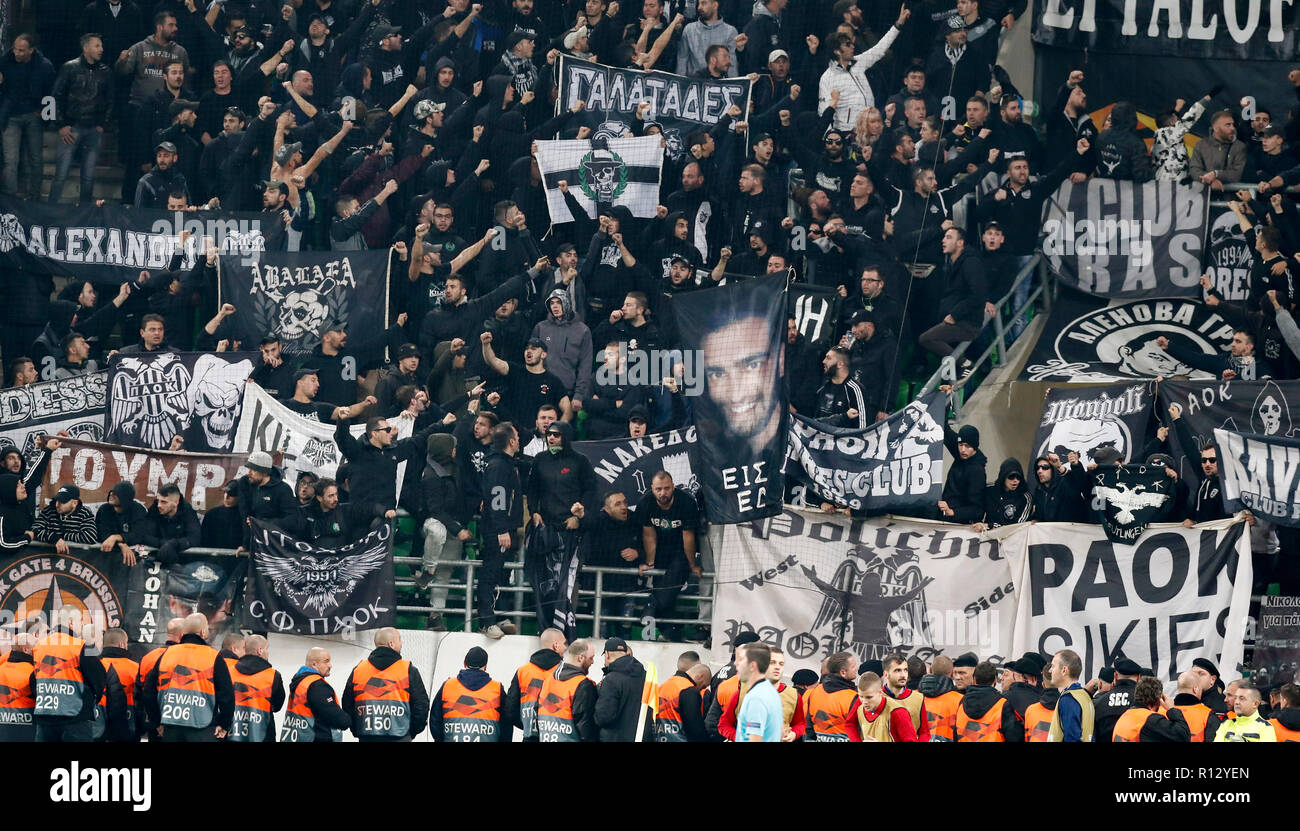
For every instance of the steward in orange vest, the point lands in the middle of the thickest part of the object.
(1151, 719)
(566, 708)
(681, 707)
(832, 705)
(314, 714)
(188, 696)
(1286, 724)
(17, 701)
(66, 683)
(1202, 721)
(384, 694)
(521, 700)
(259, 693)
(470, 707)
(1038, 716)
(117, 715)
(984, 715)
(941, 700)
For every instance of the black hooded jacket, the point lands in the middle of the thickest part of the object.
(271, 502)
(472, 679)
(618, 707)
(381, 658)
(1004, 507)
(1057, 499)
(979, 700)
(172, 534)
(558, 480)
(1121, 152)
(15, 518)
(963, 490)
(131, 523)
(543, 659)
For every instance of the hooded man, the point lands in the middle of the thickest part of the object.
(526, 684)
(963, 489)
(470, 707)
(1121, 152)
(122, 522)
(381, 716)
(984, 715)
(445, 530)
(1006, 501)
(15, 517)
(568, 346)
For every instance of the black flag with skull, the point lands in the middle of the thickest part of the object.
(156, 396)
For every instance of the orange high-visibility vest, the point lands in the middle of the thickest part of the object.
(299, 720)
(941, 713)
(471, 715)
(668, 725)
(830, 713)
(1128, 727)
(382, 700)
(253, 719)
(17, 702)
(555, 721)
(60, 686)
(186, 694)
(531, 678)
(1197, 716)
(1038, 722)
(1283, 734)
(987, 728)
(127, 673)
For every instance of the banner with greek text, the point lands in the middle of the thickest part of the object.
(1277, 648)
(1260, 407)
(156, 396)
(95, 468)
(628, 465)
(75, 404)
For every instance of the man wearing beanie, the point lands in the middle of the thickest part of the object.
(963, 489)
(1028, 689)
(470, 707)
(963, 668)
(1211, 686)
(445, 530)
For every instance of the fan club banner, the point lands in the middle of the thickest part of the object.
(1130, 498)
(1277, 646)
(155, 396)
(1122, 240)
(113, 244)
(95, 468)
(815, 585)
(737, 334)
(600, 173)
(75, 404)
(298, 587)
(896, 464)
(1260, 407)
(1229, 259)
(296, 295)
(1087, 340)
(1260, 475)
(304, 443)
(816, 312)
(1177, 595)
(1085, 420)
(628, 465)
(679, 105)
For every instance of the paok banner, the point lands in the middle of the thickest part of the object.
(816, 584)
(628, 465)
(1130, 497)
(95, 468)
(73, 404)
(1086, 419)
(1123, 240)
(296, 295)
(1177, 595)
(1260, 474)
(155, 396)
(895, 464)
(297, 587)
(816, 312)
(736, 333)
(1087, 340)
(113, 244)
(679, 105)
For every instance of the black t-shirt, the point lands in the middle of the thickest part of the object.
(425, 294)
(526, 391)
(314, 411)
(668, 524)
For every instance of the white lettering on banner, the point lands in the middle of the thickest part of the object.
(1262, 475)
(609, 89)
(1162, 18)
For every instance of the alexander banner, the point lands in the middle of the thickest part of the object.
(1260, 407)
(155, 396)
(816, 584)
(1122, 240)
(816, 312)
(1277, 647)
(1087, 340)
(305, 443)
(1177, 595)
(893, 465)
(737, 332)
(298, 587)
(680, 105)
(1086, 419)
(74, 404)
(113, 244)
(628, 465)
(296, 295)
(1260, 474)
(95, 468)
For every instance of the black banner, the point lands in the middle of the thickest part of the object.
(895, 464)
(153, 396)
(296, 295)
(816, 311)
(114, 244)
(1277, 647)
(1088, 340)
(1261, 407)
(1229, 259)
(1085, 420)
(737, 334)
(194, 583)
(1119, 239)
(1131, 497)
(75, 404)
(296, 586)
(628, 465)
(680, 105)
(1261, 474)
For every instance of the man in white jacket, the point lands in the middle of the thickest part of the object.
(848, 75)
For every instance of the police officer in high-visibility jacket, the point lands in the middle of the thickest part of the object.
(384, 694)
(1249, 726)
(259, 692)
(17, 701)
(521, 700)
(984, 715)
(470, 707)
(832, 705)
(1074, 718)
(314, 714)
(188, 696)
(117, 715)
(566, 709)
(67, 681)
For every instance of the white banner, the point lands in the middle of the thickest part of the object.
(815, 584)
(307, 444)
(616, 171)
(1174, 595)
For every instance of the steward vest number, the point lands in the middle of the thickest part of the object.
(555, 721)
(60, 686)
(17, 705)
(471, 715)
(252, 719)
(186, 695)
(299, 721)
(382, 700)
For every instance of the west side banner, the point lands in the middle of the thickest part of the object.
(600, 173)
(893, 465)
(1088, 340)
(1086, 419)
(816, 584)
(74, 404)
(112, 244)
(306, 444)
(1176, 595)
(154, 396)
(296, 586)
(680, 105)
(1260, 474)
(1122, 240)
(628, 465)
(296, 295)
(736, 333)
(95, 468)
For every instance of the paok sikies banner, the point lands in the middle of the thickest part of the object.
(1122, 239)
(680, 105)
(737, 334)
(75, 404)
(1086, 419)
(893, 465)
(155, 396)
(1260, 474)
(628, 465)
